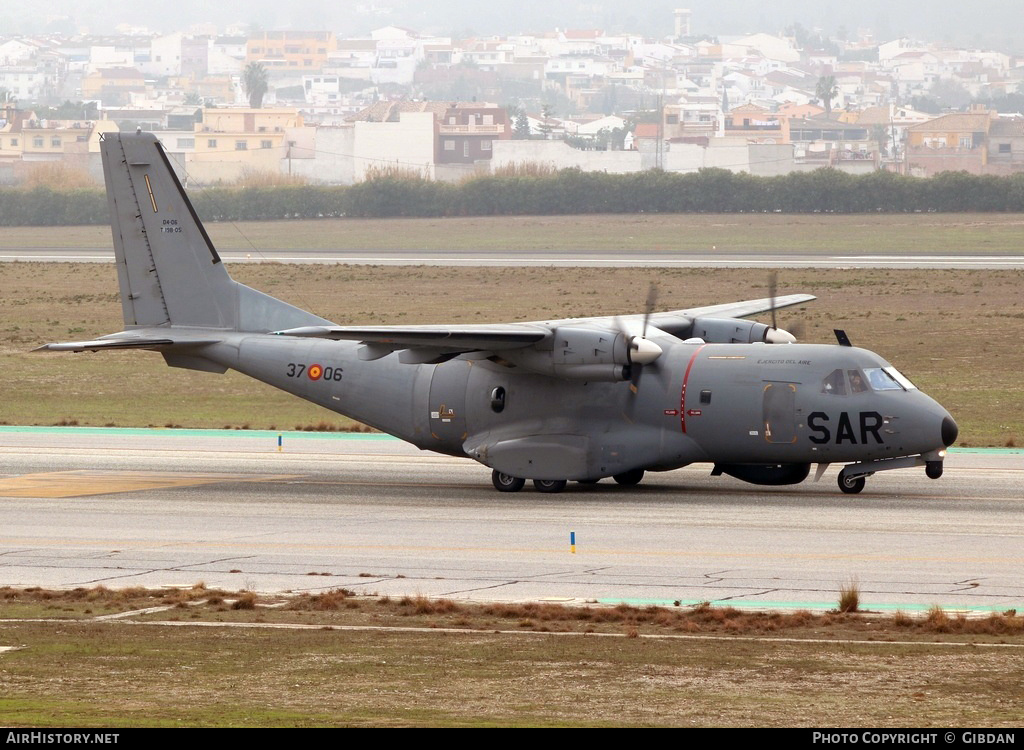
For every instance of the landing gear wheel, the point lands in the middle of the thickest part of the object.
(851, 485)
(506, 483)
(629, 478)
(549, 485)
(933, 469)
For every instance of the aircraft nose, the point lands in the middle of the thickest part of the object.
(949, 431)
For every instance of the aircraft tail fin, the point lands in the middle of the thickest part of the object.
(168, 269)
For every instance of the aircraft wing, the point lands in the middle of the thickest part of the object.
(447, 338)
(472, 338)
(738, 309)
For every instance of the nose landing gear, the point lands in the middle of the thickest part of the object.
(851, 485)
(851, 478)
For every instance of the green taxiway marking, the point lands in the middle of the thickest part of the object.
(760, 605)
(178, 432)
(996, 451)
(174, 432)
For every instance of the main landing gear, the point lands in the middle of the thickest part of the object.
(508, 483)
(505, 482)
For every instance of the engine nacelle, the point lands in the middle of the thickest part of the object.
(578, 354)
(729, 331)
(585, 346)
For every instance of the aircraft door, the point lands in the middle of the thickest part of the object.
(447, 405)
(779, 411)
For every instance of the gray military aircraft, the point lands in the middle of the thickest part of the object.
(550, 401)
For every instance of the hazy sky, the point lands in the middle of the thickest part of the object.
(992, 23)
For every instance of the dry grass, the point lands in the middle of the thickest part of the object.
(889, 311)
(525, 169)
(394, 172)
(370, 661)
(256, 178)
(849, 596)
(702, 618)
(323, 602)
(325, 426)
(245, 600)
(901, 619)
(57, 176)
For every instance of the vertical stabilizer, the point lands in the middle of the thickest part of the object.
(169, 271)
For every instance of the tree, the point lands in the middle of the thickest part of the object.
(950, 93)
(546, 113)
(618, 135)
(254, 83)
(521, 130)
(880, 133)
(825, 91)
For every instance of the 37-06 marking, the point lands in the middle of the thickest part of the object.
(314, 371)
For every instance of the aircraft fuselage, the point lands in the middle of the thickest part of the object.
(744, 404)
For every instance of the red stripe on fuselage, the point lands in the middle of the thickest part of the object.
(682, 393)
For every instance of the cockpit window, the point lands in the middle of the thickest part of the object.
(857, 384)
(843, 382)
(881, 380)
(900, 378)
(834, 384)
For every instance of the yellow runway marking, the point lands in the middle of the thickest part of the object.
(79, 483)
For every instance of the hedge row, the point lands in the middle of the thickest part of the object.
(568, 192)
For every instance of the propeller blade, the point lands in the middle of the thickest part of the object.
(652, 299)
(641, 351)
(776, 335)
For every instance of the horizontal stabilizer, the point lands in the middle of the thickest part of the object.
(120, 343)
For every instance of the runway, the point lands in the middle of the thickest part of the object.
(87, 507)
(639, 258)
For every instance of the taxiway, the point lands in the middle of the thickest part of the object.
(638, 258)
(88, 507)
